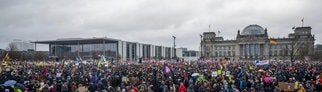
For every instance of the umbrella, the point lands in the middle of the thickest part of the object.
(195, 74)
(261, 70)
(9, 83)
(267, 80)
(20, 86)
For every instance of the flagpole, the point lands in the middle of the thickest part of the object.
(209, 27)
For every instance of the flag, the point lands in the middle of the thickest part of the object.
(77, 60)
(209, 27)
(5, 60)
(218, 32)
(80, 59)
(103, 58)
(200, 78)
(62, 64)
(99, 64)
(167, 69)
(302, 20)
(272, 41)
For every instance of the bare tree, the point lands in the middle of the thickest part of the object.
(39, 56)
(13, 51)
(12, 47)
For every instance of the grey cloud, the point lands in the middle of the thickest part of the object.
(152, 21)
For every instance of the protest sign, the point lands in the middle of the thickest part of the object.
(286, 86)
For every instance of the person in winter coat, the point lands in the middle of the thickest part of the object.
(301, 89)
(134, 89)
(172, 87)
(190, 88)
(182, 88)
(52, 89)
(92, 87)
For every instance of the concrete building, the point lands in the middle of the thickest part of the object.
(254, 43)
(23, 45)
(90, 48)
(188, 55)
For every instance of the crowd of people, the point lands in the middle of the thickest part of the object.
(162, 76)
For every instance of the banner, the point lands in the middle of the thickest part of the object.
(261, 62)
(286, 86)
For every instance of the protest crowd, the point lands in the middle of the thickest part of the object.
(161, 76)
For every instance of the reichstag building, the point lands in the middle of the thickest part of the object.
(253, 43)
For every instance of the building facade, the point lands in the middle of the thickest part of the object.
(253, 43)
(91, 48)
(318, 52)
(20, 45)
(318, 48)
(187, 55)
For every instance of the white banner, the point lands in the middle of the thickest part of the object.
(214, 74)
(261, 62)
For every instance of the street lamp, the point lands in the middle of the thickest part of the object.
(174, 46)
(201, 46)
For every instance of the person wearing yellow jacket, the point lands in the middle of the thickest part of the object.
(301, 89)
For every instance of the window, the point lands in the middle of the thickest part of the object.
(193, 54)
(273, 46)
(216, 54)
(281, 52)
(286, 52)
(282, 46)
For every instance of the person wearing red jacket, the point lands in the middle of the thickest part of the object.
(134, 89)
(182, 88)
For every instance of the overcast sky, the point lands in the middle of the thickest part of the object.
(152, 21)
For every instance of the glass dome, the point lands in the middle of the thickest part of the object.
(253, 30)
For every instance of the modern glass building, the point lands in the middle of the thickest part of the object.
(92, 48)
